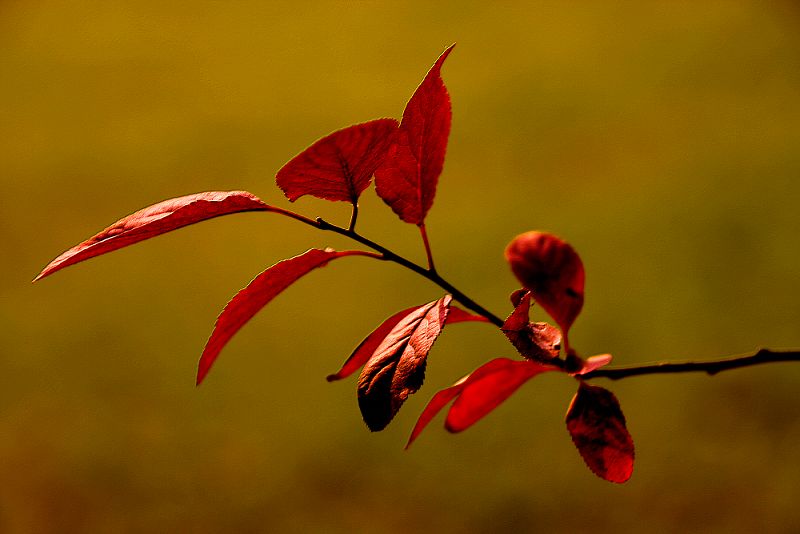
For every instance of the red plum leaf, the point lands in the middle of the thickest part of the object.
(407, 179)
(258, 294)
(156, 220)
(367, 347)
(482, 394)
(340, 165)
(485, 388)
(597, 426)
(397, 367)
(535, 341)
(553, 272)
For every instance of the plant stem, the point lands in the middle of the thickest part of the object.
(711, 367)
(353, 217)
(424, 234)
(614, 373)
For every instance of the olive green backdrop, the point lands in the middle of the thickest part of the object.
(661, 139)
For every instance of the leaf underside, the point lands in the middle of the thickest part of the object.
(367, 347)
(597, 427)
(397, 367)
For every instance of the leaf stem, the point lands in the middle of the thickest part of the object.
(428, 253)
(711, 367)
(353, 217)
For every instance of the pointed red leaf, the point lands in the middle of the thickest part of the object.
(397, 367)
(257, 294)
(457, 315)
(552, 270)
(592, 363)
(482, 394)
(597, 427)
(407, 179)
(155, 220)
(433, 407)
(367, 347)
(444, 396)
(340, 165)
(535, 341)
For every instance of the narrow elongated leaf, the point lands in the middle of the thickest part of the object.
(407, 179)
(367, 347)
(553, 272)
(340, 165)
(155, 220)
(535, 341)
(257, 294)
(480, 396)
(485, 388)
(397, 367)
(597, 427)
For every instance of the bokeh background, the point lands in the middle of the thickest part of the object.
(661, 139)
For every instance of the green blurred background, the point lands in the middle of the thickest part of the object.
(661, 139)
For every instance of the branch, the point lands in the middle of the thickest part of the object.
(711, 367)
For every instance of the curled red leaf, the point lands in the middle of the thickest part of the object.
(156, 220)
(258, 294)
(535, 341)
(597, 426)
(407, 179)
(397, 367)
(485, 388)
(367, 347)
(340, 165)
(552, 270)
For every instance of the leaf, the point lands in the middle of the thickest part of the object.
(156, 220)
(340, 165)
(407, 179)
(592, 363)
(597, 427)
(488, 390)
(258, 294)
(535, 341)
(481, 395)
(397, 367)
(367, 347)
(553, 272)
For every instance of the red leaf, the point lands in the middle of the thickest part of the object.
(257, 294)
(457, 315)
(489, 387)
(155, 220)
(407, 179)
(482, 394)
(367, 347)
(552, 271)
(339, 166)
(535, 341)
(592, 363)
(597, 427)
(397, 367)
